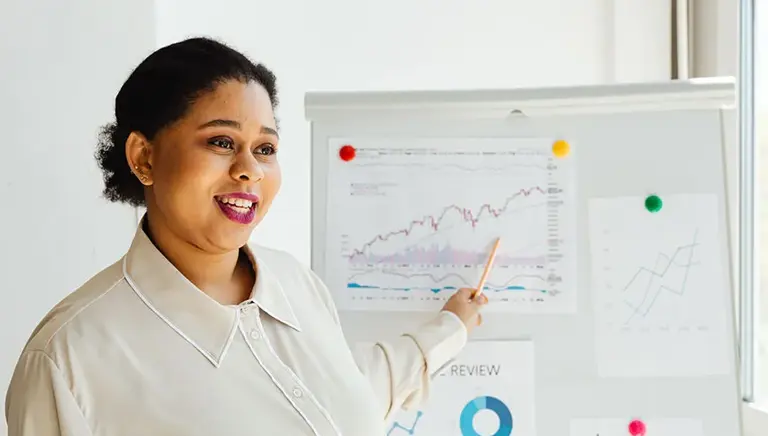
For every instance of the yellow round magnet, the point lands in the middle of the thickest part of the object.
(561, 148)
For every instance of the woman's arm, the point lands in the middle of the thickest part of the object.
(400, 370)
(39, 402)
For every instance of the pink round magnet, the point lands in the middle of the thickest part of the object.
(637, 428)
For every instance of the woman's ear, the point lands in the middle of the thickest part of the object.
(138, 152)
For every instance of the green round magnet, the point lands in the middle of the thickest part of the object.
(653, 203)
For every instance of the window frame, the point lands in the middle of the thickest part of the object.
(748, 269)
(751, 54)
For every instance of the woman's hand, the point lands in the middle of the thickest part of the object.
(466, 308)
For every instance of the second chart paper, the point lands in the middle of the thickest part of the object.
(659, 286)
(409, 221)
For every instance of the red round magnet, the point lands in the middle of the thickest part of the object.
(637, 428)
(347, 153)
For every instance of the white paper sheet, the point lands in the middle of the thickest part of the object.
(659, 287)
(487, 390)
(411, 220)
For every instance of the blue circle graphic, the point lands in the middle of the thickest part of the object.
(466, 421)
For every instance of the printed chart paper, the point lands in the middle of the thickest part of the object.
(412, 220)
(620, 427)
(659, 287)
(487, 390)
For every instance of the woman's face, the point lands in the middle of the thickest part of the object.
(214, 173)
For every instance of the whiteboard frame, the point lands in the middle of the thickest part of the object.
(667, 95)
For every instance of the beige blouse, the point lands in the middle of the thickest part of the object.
(139, 350)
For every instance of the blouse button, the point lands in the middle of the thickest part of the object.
(297, 392)
(255, 334)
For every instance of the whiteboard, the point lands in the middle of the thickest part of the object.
(673, 139)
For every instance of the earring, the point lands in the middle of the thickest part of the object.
(142, 177)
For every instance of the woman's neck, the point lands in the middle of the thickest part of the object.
(225, 277)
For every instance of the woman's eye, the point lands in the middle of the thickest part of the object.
(222, 143)
(266, 150)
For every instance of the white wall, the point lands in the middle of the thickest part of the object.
(62, 63)
(432, 44)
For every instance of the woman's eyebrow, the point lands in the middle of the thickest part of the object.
(220, 122)
(236, 125)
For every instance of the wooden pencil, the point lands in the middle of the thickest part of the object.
(487, 270)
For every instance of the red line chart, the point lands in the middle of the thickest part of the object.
(434, 221)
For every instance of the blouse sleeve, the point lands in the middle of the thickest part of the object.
(400, 370)
(39, 401)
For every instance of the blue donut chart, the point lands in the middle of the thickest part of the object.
(466, 421)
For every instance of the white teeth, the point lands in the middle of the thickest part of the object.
(238, 202)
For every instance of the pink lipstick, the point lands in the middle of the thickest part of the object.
(239, 207)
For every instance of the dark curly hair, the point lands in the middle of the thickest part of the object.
(158, 93)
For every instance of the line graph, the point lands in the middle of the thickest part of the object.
(656, 280)
(659, 287)
(656, 293)
(408, 429)
(434, 222)
(450, 281)
(405, 234)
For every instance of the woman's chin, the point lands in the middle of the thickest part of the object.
(228, 238)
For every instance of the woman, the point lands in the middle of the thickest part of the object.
(195, 331)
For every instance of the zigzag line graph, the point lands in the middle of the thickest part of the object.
(411, 430)
(651, 293)
(434, 221)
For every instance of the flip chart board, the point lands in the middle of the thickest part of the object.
(612, 203)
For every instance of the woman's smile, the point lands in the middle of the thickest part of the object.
(240, 207)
